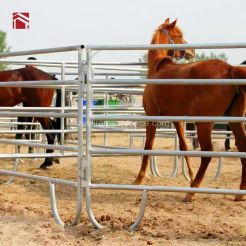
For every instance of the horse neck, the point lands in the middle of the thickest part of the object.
(27, 73)
(32, 73)
(155, 56)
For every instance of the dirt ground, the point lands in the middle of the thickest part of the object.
(25, 216)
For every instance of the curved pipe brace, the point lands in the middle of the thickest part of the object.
(16, 164)
(141, 211)
(89, 210)
(79, 202)
(175, 167)
(11, 179)
(184, 169)
(157, 170)
(153, 167)
(176, 159)
(54, 210)
(217, 174)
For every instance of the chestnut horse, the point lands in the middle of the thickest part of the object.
(191, 100)
(30, 97)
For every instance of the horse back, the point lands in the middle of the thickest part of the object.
(11, 96)
(192, 99)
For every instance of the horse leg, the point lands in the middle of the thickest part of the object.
(57, 126)
(29, 136)
(20, 127)
(150, 136)
(227, 141)
(191, 127)
(183, 146)
(240, 136)
(47, 125)
(204, 137)
(195, 142)
(238, 129)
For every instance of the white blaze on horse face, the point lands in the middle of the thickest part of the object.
(187, 53)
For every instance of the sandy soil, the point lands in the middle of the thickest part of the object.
(25, 216)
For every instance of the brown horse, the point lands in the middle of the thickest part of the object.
(30, 97)
(191, 100)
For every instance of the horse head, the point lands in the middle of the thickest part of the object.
(170, 33)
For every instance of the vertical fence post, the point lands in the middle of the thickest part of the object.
(81, 161)
(176, 158)
(89, 97)
(63, 95)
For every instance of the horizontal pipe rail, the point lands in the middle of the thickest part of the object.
(167, 118)
(38, 83)
(40, 65)
(119, 91)
(37, 155)
(168, 46)
(39, 178)
(12, 123)
(39, 62)
(168, 189)
(37, 109)
(120, 69)
(42, 51)
(119, 74)
(115, 107)
(143, 130)
(36, 131)
(135, 152)
(69, 64)
(38, 114)
(119, 63)
(171, 81)
(37, 145)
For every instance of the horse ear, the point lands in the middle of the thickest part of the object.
(166, 21)
(173, 24)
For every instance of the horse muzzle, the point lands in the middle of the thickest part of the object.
(189, 54)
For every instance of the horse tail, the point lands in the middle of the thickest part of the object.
(239, 73)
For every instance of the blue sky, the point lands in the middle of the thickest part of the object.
(56, 23)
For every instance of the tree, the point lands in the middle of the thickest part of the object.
(198, 57)
(143, 59)
(211, 56)
(3, 47)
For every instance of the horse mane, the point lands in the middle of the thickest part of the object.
(156, 56)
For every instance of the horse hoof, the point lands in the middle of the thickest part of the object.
(189, 197)
(192, 177)
(239, 198)
(45, 165)
(137, 181)
(56, 160)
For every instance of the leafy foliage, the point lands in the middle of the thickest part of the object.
(198, 57)
(203, 56)
(3, 47)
